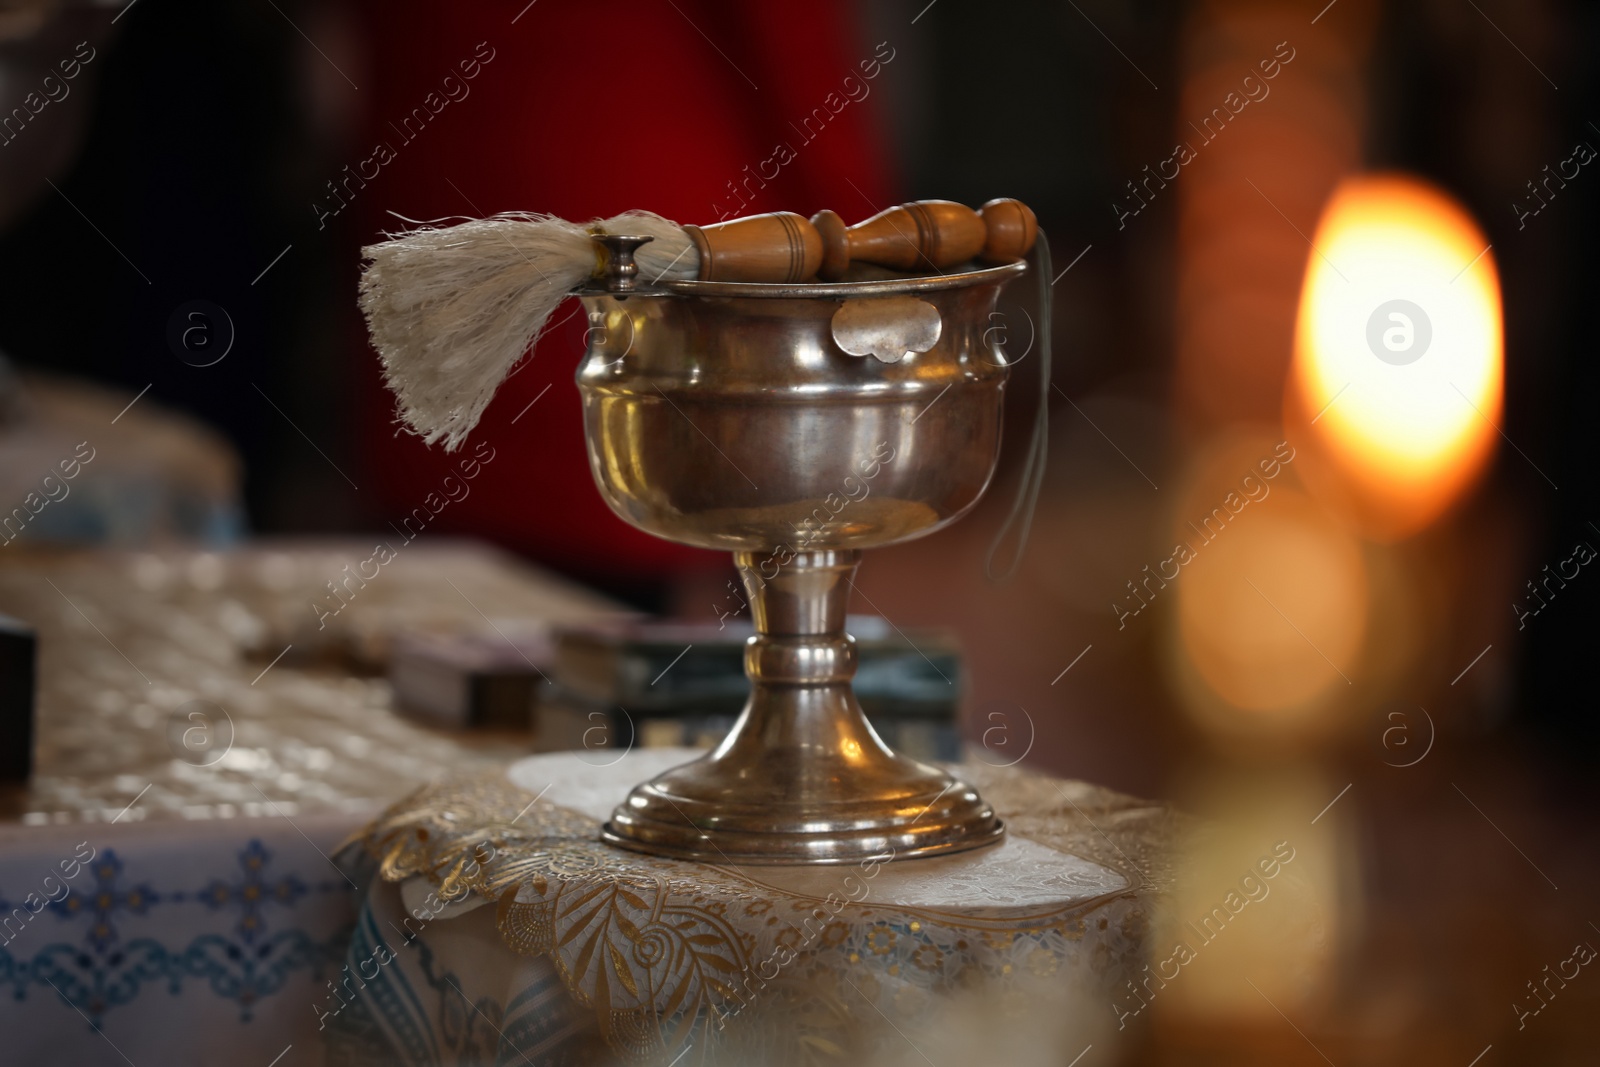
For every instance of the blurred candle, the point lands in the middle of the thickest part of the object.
(1396, 383)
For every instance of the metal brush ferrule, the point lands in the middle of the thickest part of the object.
(619, 272)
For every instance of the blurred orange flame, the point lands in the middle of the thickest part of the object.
(1398, 361)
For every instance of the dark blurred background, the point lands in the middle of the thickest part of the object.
(195, 159)
(198, 153)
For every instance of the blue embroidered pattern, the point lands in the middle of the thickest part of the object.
(254, 891)
(105, 900)
(102, 972)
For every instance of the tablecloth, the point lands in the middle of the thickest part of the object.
(208, 732)
(166, 944)
(496, 928)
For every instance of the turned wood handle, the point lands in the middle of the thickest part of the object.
(779, 247)
(922, 235)
(926, 235)
(1011, 230)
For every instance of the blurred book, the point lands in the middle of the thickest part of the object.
(18, 668)
(656, 684)
(470, 679)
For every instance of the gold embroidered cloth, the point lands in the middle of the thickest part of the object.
(665, 957)
(141, 653)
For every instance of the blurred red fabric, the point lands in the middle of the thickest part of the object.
(586, 109)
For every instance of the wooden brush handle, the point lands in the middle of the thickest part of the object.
(926, 235)
(779, 247)
(923, 235)
(1011, 230)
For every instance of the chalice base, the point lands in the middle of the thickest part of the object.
(802, 778)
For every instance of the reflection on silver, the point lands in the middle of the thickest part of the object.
(731, 424)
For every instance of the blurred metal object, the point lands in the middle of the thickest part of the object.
(84, 464)
(725, 415)
(21, 19)
(48, 74)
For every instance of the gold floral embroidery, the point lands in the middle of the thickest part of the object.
(668, 954)
(1042, 962)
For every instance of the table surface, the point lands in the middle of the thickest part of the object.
(128, 642)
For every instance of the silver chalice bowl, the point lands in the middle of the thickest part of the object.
(795, 425)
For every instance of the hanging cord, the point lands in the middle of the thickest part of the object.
(1039, 445)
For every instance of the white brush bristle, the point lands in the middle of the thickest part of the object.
(452, 309)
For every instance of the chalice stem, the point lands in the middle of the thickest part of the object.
(802, 711)
(802, 777)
